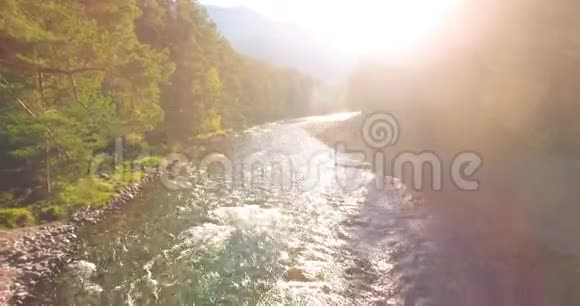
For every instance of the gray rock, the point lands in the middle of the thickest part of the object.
(31, 275)
(298, 275)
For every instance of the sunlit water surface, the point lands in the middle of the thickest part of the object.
(244, 242)
(320, 234)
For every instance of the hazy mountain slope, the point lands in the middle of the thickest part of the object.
(282, 44)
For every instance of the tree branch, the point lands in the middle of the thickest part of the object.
(78, 99)
(49, 132)
(25, 66)
(76, 93)
(70, 72)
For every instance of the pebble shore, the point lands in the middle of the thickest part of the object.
(29, 255)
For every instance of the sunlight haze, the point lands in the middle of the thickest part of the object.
(268, 152)
(359, 27)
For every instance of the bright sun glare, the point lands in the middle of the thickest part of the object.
(392, 26)
(362, 26)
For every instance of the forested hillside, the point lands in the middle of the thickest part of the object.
(503, 76)
(75, 75)
(276, 42)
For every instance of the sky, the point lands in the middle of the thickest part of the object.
(359, 26)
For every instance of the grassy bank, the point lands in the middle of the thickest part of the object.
(92, 191)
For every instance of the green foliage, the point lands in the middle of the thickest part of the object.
(16, 217)
(136, 142)
(87, 191)
(52, 213)
(150, 162)
(6, 197)
(95, 192)
(76, 75)
(126, 175)
(212, 87)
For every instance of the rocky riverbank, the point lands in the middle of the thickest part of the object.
(31, 254)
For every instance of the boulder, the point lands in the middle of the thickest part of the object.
(298, 275)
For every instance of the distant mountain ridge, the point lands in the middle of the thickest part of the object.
(278, 43)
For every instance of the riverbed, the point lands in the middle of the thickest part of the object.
(287, 220)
